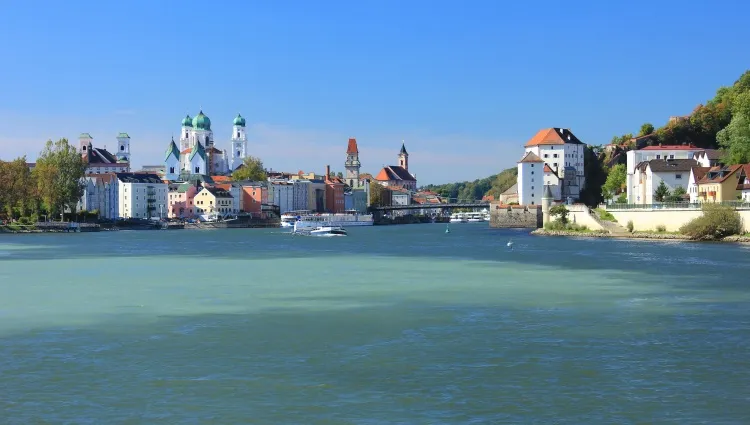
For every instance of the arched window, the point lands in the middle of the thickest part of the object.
(238, 154)
(238, 134)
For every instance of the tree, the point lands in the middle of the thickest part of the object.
(717, 222)
(646, 129)
(377, 195)
(251, 169)
(16, 181)
(677, 195)
(340, 175)
(596, 176)
(560, 212)
(662, 192)
(59, 175)
(615, 181)
(735, 140)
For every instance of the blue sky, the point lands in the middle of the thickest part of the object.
(465, 84)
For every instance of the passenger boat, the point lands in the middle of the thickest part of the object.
(309, 220)
(459, 218)
(319, 231)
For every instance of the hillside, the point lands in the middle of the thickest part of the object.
(470, 191)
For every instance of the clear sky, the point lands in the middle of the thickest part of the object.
(464, 84)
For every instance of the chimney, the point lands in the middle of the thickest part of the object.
(328, 172)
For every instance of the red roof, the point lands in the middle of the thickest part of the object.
(221, 178)
(670, 148)
(530, 157)
(188, 150)
(352, 147)
(553, 136)
(547, 169)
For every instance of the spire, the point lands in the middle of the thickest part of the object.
(403, 149)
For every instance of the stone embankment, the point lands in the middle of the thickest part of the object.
(635, 235)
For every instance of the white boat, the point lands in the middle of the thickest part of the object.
(347, 219)
(319, 231)
(459, 218)
(474, 217)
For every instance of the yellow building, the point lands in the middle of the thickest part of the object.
(214, 200)
(720, 184)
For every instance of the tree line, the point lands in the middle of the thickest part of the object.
(54, 185)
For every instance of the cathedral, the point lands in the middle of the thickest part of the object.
(197, 154)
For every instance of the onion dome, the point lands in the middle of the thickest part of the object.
(239, 121)
(201, 122)
(187, 121)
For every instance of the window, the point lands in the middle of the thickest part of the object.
(546, 155)
(238, 154)
(171, 170)
(197, 170)
(532, 166)
(658, 156)
(554, 155)
(238, 134)
(122, 147)
(678, 176)
(532, 173)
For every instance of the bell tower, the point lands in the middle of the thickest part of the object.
(239, 143)
(403, 157)
(84, 143)
(123, 147)
(352, 164)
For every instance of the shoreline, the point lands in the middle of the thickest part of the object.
(637, 235)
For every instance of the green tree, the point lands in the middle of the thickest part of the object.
(251, 169)
(59, 175)
(377, 195)
(340, 175)
(661, 193)
(677, 194)
(646, 129)
(596, 176)
(17, 192)
(735, 140)
(560, 212)
(615, 182)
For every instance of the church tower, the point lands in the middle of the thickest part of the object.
(352, 164)
(172, 162)
(84, 143)
(187, 126)
(123, 147)
(403, 157)
(239, 143)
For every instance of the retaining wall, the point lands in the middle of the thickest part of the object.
(672, 219)
(515, 216)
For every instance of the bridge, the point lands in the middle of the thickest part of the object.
(446, 206)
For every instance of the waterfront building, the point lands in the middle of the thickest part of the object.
(281, 194)
(251, 196)
(141, 195)
(696, 174)
(181, 199)
(334, 193)
(197, 153)
(636, 157)
(398, 175)
(100, 160)
(743, 185)
(554, 156)
(650, 174)
(721, 184)
(301, 195)
(99, 194)
(213, 200)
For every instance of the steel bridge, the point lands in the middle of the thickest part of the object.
(479, 204)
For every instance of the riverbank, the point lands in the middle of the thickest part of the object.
(634, 235)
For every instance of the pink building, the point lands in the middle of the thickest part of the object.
(180, 201)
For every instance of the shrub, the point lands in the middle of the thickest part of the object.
(605, 215)
(661, 228)
(717, 222)
(560, 212)
(630, 226)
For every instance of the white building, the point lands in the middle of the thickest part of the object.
(636, 157)
(197, 153)
(141, 195)
(100, 160)
(352, 165)
(281, 194)
(530, 179)
(649, 175)
(708, 157)
(100, 194)
(554, 156)
(301, 191)
(696, 173)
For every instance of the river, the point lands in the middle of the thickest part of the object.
(390, 325)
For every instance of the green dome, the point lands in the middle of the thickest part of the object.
(187, 122)
(239, 121)
(201, 122)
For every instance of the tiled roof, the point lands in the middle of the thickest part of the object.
(138, 178)
(530, 157)
(699, 172)
(667, 165)
(221, 179)
(513, 190)
(366, 176)
(352, 147)
(547, 169)
(186, 151)
(199, 151)
(670, 148)
(712, 154)
(218, 192)
(100, 156)
(719, 174)
(172, 150)
(553, 136)
(394, 173)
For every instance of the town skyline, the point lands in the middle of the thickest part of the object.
(453, 83)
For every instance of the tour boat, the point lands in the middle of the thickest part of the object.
(325, 230)
(474, 217)
(313, 220)
(459, 218)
